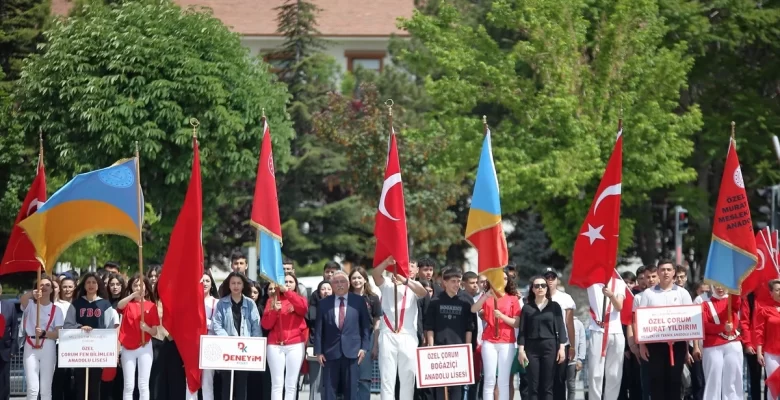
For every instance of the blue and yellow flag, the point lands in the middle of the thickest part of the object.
(106, 201)
(484, 230)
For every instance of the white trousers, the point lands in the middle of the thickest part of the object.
(613, 360)
(723, 371)
(287, 358)
(497, 356)
(206, 386)
(142, 358)
(397, 353)
(39, 365)
(771, 362)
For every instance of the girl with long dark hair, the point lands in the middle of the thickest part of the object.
(284, 318)
(116, 288)
(236, 315)
(40, 350)
(90, 310)
(136, 346)
(210, 303)
(498, 337)
(541, 339)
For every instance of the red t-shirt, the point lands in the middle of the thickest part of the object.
(130, 329)
(509, 306)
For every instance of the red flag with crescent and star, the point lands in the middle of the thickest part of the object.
(595, 251)
(767, 267)
(20, 253)
(390, 227)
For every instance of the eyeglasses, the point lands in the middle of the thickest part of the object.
(550, 277)
(540, 286)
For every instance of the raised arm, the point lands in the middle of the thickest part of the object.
(377, 272)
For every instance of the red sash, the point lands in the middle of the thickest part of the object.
(403, 312)
(48, 324)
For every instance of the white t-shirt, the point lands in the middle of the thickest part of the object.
(211, 304)
(409, 308)
(566, 303)
(63, 305)
(44, 317)
(657, 297)
(596, 301)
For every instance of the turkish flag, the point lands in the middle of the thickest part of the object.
(766, 266)
(20, 254)
(179, 287)
(390, 226)
(595, 251)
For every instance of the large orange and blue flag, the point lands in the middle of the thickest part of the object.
(105, 201)
(484, 230)
(732, 255)
(265, 214)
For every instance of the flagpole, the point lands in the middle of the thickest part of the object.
(495, 300)
(389, 103)
(728, 295)
(41, 266)
(264, 121)
(140, 235)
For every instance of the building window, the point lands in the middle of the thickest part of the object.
(371, 60)
(275, 60)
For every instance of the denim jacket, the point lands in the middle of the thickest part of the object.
(223, 325)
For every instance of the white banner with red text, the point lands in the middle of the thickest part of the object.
(232, 353)
(669, 324)
(451, 365)
(81, 349)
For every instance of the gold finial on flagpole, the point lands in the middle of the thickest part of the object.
(263, 110)
(733, 129)
(195, 124)
(485, 124)
(390, 103)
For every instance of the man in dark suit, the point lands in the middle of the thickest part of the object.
(341, 335)
(8, 344)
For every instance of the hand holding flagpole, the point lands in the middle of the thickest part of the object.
(495, 299)
(389, 103)
(140, 235)
(41, 266)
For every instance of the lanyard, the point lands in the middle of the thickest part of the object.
(48, 324)
(403, 312)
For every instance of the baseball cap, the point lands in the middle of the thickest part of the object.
(549, 271)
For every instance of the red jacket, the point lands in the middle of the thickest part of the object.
(767, 328)
(286, 325)
(715, 325)
(746, 323)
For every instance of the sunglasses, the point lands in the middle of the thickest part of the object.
(540, 286)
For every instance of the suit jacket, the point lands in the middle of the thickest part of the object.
(8, 337)
(335, 343)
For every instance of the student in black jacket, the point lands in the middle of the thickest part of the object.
(449, 320)
(541, 340)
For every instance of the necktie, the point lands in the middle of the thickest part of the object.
(342, 313)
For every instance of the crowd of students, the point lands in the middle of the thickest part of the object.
(535, 336)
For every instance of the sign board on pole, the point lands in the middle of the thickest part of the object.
(669, 324)
(232, 353)
(451, 365)
(81, 349)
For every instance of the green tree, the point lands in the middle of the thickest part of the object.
(358, 126)
(21, 24)
(137, 71)
(553, 80)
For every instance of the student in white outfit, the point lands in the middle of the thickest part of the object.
(40, 360)
(397, 344)
(615, 340)
(210, 302)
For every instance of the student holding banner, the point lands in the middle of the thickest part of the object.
(139, 313)
(236, 315)
(722, 353)
(666, 360)
(40, 350)
(449, 321)
(90, 310)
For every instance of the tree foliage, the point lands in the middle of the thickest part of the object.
(137, 71)
(553, 78)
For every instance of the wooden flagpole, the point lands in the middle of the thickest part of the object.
(41, 266)
(140, 235)
(728, 295)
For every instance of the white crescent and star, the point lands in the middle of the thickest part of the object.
(391, 181)
(34, 206)
(595, 233)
